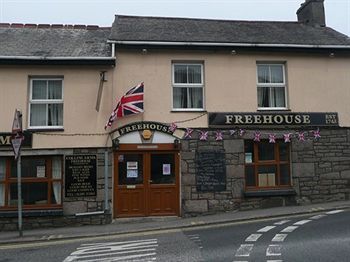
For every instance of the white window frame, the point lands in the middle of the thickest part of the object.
(187, 85)
(279, 85)
(43, 101)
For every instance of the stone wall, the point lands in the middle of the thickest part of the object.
(75, 205)
(320, 171)
(11, 223)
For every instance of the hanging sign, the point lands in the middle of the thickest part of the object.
(273, 119)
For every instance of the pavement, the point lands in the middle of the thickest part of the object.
(151, 224)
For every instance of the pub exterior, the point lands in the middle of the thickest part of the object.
(234, 118)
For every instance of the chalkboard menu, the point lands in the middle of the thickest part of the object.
(210, 171)
(80, 175)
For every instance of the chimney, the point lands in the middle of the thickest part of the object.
(312, 13)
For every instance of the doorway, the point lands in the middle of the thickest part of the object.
(146, 183)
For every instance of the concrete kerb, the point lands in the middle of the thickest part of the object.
(188, 224)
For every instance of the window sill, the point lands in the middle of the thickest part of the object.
(32, 213)
(262, 109)
(270, 192)
(191, 110)
(32, 129)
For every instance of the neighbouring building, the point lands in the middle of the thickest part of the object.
(237, 115)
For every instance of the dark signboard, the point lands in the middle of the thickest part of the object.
(80, 175)
(210, 171)
(146, 125)
(5, 139)
(273, 119)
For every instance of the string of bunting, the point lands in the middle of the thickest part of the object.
(257, 136)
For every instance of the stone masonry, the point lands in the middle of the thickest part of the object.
(320, 171)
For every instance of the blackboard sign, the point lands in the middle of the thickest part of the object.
(80, 175)
(210, 171)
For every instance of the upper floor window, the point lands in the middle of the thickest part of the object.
(46, 103)
(188, 86)
(271, 86)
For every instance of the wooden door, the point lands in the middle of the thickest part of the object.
(130, 189)
(164, 184)
(146, 183)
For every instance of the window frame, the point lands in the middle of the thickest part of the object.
(48, 179)
(256, 163)
(187, 86)
(278, 85)
(45, 102)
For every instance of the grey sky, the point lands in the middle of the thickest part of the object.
(101, 12)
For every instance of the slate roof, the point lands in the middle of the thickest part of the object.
(163, 29)
(54, 41)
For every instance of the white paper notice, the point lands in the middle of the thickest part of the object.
(131, 165)
(40, 171)
(131, 173)
(166, 169)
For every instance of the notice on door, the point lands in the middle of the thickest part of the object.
(166, 169)
(80, 175)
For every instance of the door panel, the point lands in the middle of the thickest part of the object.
(146, 183)
(163, 184)
(130, 191)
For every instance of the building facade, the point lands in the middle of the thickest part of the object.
(237, 115)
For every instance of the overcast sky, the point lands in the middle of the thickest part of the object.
(101, 12)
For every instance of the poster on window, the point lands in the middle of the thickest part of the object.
(131, 173)
(131, 165)
(166, 169)
(40, 171)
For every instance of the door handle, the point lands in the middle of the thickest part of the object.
(150, 181)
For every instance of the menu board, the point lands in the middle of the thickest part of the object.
(210, 171)
(80, 180)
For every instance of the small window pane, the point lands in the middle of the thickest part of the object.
(196, 98)
(267, 176)
(180, 97)
(39, 89)
(284, 152)
(56, 167)
(263, 74)
(162, 169)
(263, 96)
(56, 197)
(32, 194)
(194, 74)
(130, 169)
(30, 167)
(250, 176)
(180, 73)
(2, 168)
(285, 177)
(249, 151)
(266, 151)
(55, 115)
(276, 73)
(38, 115)
(55, 89)
(277, 97)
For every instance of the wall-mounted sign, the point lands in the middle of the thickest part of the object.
(210, 171)
(273, 119)
(80, 175)
(5, 140)
(140, 126)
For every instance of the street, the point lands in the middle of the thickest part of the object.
(324, 236)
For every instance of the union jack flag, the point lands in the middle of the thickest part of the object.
(131, 103)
